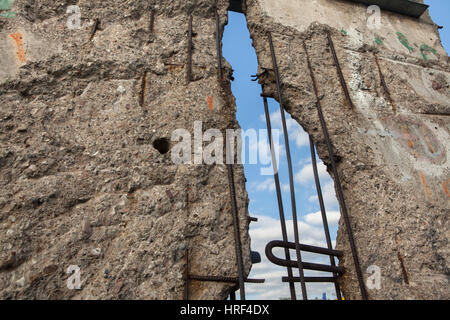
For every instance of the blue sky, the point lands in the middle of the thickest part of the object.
(240, 54)
(440, 13)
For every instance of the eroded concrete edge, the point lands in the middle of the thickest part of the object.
(394, 161)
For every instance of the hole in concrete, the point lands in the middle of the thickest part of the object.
(238, 50)
(162, 145)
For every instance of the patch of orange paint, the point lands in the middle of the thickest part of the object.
(410, 144)
(424, 133)
(18, 38)
(444, 185)
(408, 137)
(425, 186)
(210, 100)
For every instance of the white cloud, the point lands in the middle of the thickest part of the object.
(306, 174)
(269, 185)
(266, 185)
(261, 146)
(316, 218)
(303, 161)
(301, 137)
(260, 149)
(268, 229)
(295, 131)
(329, 197)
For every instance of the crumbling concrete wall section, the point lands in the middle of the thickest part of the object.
(85, 176)
(392, 146)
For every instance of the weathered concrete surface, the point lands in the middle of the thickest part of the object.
(393, 158)
(80, 180)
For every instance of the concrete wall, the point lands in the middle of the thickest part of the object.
(393, 157)
(352, 18)
(81, 180)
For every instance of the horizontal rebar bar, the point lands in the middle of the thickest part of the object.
(223, 279)
(310, 279)
(306, 265)
(303, 247)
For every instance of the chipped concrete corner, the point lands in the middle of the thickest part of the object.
(82, 183)
(392, 148)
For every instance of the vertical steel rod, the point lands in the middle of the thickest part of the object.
(143, 89)
(152, 20)
(94, 29)
(337, 181)
(291, 175)
(339, 69)
(186, 276)
(279, 197)
(323, 212)
(384, 84)
(219, 46)
(237, 235)
(189, 60)
(233, 295)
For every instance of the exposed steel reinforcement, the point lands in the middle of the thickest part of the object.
(240, 280)
(299, 264)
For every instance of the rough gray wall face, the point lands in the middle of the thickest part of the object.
(393, 158)
(80, 180)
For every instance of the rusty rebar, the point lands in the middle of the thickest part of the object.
(189, 53)
(152, 20)
(279, 196)
(186, 275)
(291, 174)
(303, 247)
(218, 45)
(384, 84)
(402, 265)
(237, 233)
(143, 89)
(223, 279)
(94, 29)
(339, 70)
(306, 265)
(233, 295)
(311, 279)
(323, 212)
(337, 180)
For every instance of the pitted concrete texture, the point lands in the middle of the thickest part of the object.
(81, 180)
(393, 158)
